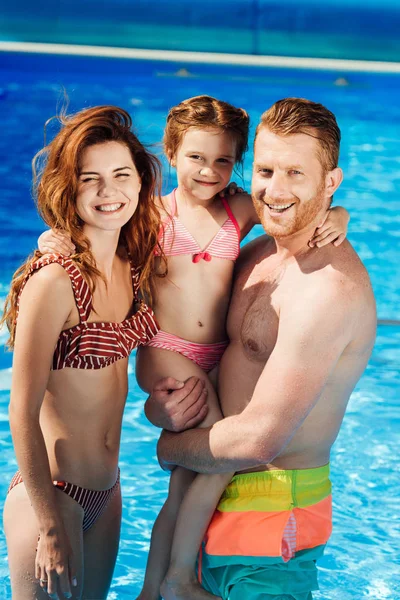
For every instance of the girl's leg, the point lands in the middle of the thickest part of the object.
(195, 513)
(21, 529)
(152, 365)
(101, 543)
(163, 533)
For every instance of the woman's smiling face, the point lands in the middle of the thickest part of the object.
(108, 186)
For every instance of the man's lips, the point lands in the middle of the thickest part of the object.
(279, 208)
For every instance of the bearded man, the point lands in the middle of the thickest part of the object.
(301, 326)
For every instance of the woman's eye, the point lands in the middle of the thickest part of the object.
(123, 175)
(88, 179)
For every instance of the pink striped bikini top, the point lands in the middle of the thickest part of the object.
(175, 239)
(96, 345)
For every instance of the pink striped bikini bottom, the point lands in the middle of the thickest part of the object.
(93, 502)
(206, 356)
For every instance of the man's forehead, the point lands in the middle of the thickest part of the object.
(300, 145)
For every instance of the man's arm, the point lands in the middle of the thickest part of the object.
(314, 330)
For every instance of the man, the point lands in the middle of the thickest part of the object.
(301, 327)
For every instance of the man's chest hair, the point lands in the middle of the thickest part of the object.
(254, 314)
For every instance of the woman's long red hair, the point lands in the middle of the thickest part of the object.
(55, 184)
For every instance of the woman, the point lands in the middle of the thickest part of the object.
(73, 322)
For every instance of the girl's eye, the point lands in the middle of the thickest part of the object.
(88, 179)
(224, 160)
(196, 156)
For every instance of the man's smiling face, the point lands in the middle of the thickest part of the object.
(290, 187)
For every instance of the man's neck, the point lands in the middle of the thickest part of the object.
(295, 244)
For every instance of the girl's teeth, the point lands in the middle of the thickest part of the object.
(109, 207)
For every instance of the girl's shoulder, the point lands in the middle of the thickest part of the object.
(243, 210)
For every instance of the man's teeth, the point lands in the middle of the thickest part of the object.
(279, 206)
(108, 207)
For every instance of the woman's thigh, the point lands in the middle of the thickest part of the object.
(101, 543)
(22, 531)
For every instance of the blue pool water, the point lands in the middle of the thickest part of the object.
(361, 560)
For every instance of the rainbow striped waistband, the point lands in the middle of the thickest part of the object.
(260, 513)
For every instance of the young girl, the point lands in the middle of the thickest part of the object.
(73, 323)
(201, 233)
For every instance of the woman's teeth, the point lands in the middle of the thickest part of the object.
(108, 207)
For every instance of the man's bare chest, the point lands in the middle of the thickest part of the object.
(254, 312)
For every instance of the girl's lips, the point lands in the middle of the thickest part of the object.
(207, 183)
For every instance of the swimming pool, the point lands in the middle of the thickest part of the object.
(361, 560)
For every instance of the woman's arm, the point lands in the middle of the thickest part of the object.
(45, 305)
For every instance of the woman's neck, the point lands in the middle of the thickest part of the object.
(104, 246)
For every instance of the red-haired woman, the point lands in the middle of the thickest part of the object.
(73, 322)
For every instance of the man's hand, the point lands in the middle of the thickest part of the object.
(175, 405)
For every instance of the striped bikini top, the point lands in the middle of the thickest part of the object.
(175, 239)
(96, 345)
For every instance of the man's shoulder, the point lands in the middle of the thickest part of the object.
(339, 276)
(261, 246)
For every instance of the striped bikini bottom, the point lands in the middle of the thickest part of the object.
(266, 535)
(206, 356)
(93, 502)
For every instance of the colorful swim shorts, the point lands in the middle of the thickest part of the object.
(266, 535)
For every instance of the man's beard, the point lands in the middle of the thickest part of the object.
(303, 215)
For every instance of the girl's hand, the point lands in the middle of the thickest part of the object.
(54, 565)
(333, 228)
(55, 242)
(231, 190)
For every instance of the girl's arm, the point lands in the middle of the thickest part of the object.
(45, 305)
(54, 241)
(333, 229)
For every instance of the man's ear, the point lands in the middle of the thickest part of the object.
(333, 179)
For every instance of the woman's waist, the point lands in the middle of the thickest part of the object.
(90, 464)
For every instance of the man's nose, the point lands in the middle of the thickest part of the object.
(277, 187)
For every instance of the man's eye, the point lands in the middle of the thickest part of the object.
(295, 172)
(264, 171)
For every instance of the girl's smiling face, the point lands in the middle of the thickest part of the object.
(108, 186)
(204, 162)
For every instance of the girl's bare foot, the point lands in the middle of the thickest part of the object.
(176, 587)
(145, 595)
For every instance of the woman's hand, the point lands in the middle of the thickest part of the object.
(54, 565)
(231, 190)
(333, 228)
(55, 242)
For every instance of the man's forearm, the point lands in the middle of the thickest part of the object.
(227, 446)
